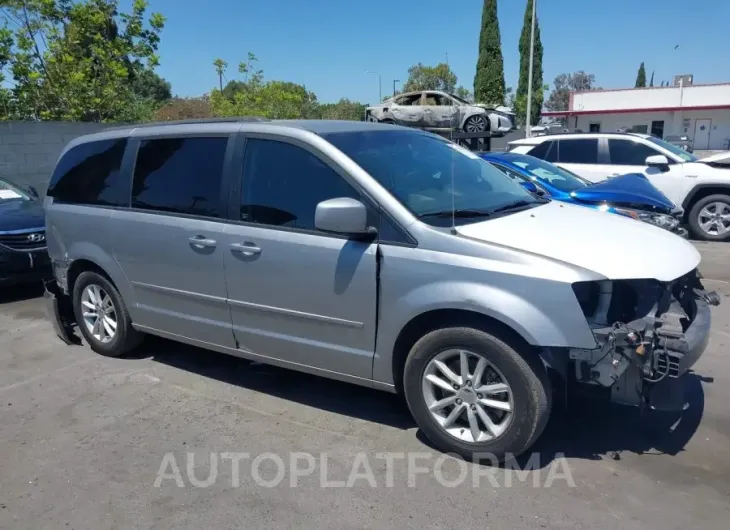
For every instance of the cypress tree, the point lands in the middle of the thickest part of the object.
(651, 83)
(537, 86)
(489, 78)
(641, 77)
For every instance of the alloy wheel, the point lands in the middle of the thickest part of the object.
(476, 124)
(714, 218)
(99, 313)
(467, 396)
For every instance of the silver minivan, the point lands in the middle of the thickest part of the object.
(375, 254)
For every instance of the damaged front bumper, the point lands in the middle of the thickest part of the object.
(649, 335)
(60, 312)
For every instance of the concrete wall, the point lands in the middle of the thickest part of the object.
(29, 150)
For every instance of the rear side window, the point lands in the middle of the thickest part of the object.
(578, 151)
(90, 174)
(180, 175)
(629, 153)
(546, 150)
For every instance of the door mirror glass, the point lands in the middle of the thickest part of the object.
(657, 161)
(342, 215)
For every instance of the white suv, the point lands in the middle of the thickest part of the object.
(701, 187)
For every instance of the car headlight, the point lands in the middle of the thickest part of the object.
(661, 220)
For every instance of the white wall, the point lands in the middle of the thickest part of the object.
(643, 98)
(673, 123)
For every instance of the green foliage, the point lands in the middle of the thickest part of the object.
(641, 77)
(253, 96)
(537, 84)
(184, 109)
(564, 84)
(147, 85)
(78, 60)
(651, 83)
(439, 77)
(489, 78)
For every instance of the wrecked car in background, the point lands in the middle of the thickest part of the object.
(438, 111)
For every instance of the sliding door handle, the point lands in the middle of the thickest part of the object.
(247, 249)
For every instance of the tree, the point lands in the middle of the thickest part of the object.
(537, 84)
(463, 93)
(641, 77)
(74, 60)
(489, 78)
(184, 109)
(439, 77)
(564, 84)
(651, 83)
(220, 68)
(146, 84)
(344, 109)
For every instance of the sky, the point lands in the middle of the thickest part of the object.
(328, 45)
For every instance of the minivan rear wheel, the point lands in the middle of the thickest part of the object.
(473, 394)
(102, 316)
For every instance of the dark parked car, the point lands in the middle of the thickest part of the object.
(683, 142)
(23, 256)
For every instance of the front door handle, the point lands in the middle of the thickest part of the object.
(202, 241)
(247, 249)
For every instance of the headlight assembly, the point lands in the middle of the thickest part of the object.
(661, 220)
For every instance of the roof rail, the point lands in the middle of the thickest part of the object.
(234, 119)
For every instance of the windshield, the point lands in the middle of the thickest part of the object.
(677, 151)
(417, 169)
(8, 192)
(461, 100)
(548, 173)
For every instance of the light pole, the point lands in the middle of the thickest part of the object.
(394, 82)
(528, 126)
(380, 85)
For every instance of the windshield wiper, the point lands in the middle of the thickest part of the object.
(517, 204)
(458, 214)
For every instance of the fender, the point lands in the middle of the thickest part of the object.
(698, 188)
(535, 319)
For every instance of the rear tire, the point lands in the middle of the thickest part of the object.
(102, 316)
(509, 383)
(703, 222)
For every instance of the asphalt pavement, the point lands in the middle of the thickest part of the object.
(88, 442)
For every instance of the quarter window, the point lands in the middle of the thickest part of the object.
(180, 175)
(90, 173)
(629, 153)
(283, 183)
(578, 151)
(546, 151)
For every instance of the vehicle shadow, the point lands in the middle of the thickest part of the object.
(19, 293)
(585, 429)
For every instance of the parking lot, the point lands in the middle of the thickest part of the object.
(83, 440)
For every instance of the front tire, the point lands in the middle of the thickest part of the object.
(102, 316)
(476, 124)
(473, 394)
(709, 218)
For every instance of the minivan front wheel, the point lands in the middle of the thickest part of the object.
(473, 394)
(102, 317)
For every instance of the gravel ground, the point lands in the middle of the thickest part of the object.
(83, 440)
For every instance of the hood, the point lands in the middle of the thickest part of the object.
(613, 246)
(719, 158)
(21, 215)
(633, 188)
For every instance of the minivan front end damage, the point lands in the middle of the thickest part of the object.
(649, 334)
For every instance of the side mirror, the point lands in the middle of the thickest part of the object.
(659, 161)
(532, 188)
(342, 215)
